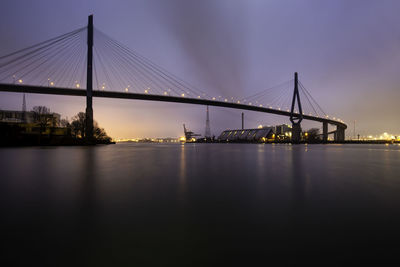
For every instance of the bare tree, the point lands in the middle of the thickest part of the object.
(78, 125)
(42, 116)
(64, 123)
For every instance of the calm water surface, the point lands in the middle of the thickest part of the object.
(200, 204)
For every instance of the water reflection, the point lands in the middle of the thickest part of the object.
(145, 203)
(87, 191)
(182, 171)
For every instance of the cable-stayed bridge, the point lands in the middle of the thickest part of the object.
(65, 64)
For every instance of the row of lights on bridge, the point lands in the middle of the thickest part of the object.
(77, 85)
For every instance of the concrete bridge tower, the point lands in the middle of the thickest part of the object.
(296, 117)
(89, 83)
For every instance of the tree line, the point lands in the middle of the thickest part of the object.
(76, 127)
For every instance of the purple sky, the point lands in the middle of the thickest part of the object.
(347, 54)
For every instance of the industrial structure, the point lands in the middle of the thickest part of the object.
(189, 135)
(247, 135)
(262, 134)
(207, 134)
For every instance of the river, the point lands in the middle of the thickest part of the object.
(200, 204)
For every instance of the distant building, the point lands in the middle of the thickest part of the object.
(248, 135)
(17, 116)
(263, 133)
(283, 132)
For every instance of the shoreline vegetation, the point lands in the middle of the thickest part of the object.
(42, 128)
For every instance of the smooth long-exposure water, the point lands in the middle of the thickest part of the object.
(200, 204)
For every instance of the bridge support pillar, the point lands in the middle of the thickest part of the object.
(89, 83)
(296, 133)
(339, 134)
(325, 132)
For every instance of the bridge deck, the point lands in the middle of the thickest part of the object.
(150, 97)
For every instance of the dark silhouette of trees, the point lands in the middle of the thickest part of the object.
(65, 123)
(42, 117)
(78, 127)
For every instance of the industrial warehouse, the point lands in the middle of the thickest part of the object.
(261, 134)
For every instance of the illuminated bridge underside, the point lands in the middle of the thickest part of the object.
(150, 97)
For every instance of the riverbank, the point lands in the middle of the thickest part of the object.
(20, 134)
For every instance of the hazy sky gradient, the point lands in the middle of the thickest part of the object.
(347, 54)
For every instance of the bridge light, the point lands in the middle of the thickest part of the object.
(269, 107)
(126, 89)
(260, 105)
(238, 102)
(213, 98)
(182, 95)
(165, 93)
(225, 100)
(146, 91)
(250, 103)
(78, 85)
(198, 96)
(20, 81)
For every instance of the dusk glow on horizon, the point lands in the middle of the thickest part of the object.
(347, 54)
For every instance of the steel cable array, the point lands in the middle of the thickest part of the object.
(61, 62)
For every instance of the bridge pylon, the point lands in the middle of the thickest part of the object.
(339, 134)
(89, 83)
(325, 132)
(296, 117)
